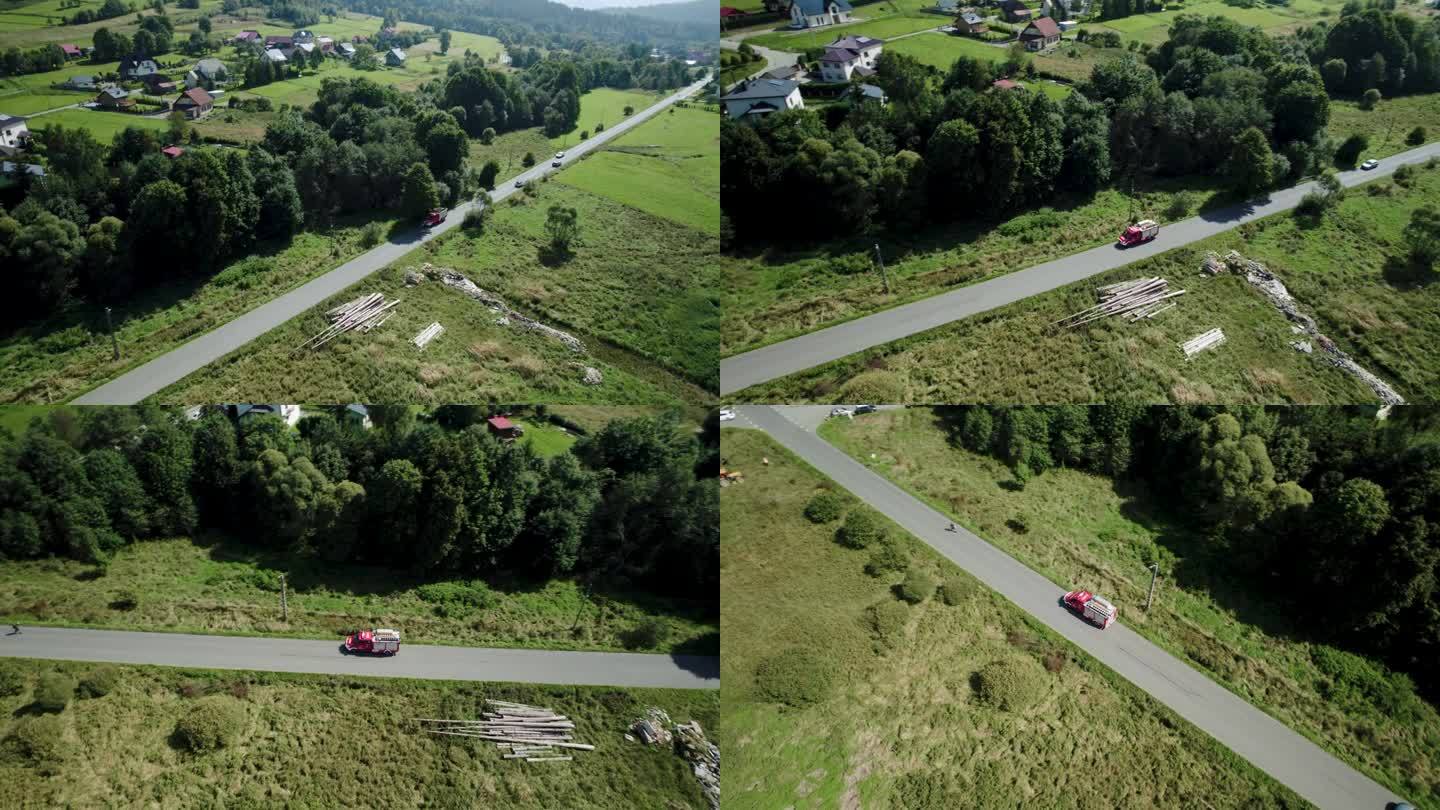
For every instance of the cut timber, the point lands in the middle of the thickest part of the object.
(360, 315)
(1134, 299)
(1202, 341)
(427, 334)
(548, 759)
(531, 733)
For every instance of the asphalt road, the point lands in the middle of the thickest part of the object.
(145, 380)
(413, 660)
(1268, 745)
(832, 343)
(773, 58)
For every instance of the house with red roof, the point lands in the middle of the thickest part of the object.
(173, 151)
(504, 429)
(1040, 34)
(194, 102)
(72, 51)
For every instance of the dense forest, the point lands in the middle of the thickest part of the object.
(1302, 501)
(541, 23)
(1217, 98)
(634, 504)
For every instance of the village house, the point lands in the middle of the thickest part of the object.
(173, 152)
(14, 134)
(504, 429)
(10, 168)
(357, 414)
(194, 103)
(346, 50)
(1015, 11)
(114, 98)
(947, 6)
(970, 23)
(289, 414)
(848, 56)
(817, 13)
(276, 41)
(1006, 84)
(732, 15)
(247, 38)
(1040, 34)
(326, 45)
(71, 51)
(275, 56)
(137, 67)
(395, 57)
(79, 82)
(158, 84)
(207, 73)
(869, 93)
(303, 36)
(760, 97)
(788, 73)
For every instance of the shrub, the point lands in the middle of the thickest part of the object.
(954, 591)
(41, 740)
(647, 635)
(476, 218)
(874, 386)
(100, 682)
(1350, 149)
(12, 680)
(1018, 524)
(125, 600)
(1311, 205)
(460, 597)
(886, 621)
(862, 528)
(1011, 685)
(887, 558)
(194, 689)
(919, 584)
(1054, 661)
(1404, 176)
(54, 692)
(825, 507)
(1416, 137)
(796, 678)
(1179, 205)
(1370, 99)
(211, 724)
(371, 234)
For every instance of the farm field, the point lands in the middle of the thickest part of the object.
(1075, 68)
(902, 723)
(1154, 27)
(637, 291)
(57, 360)
(103, 125)
(782, 293)
(215, 585)
(603, 105)
(1339, 269)
(122, 747)
(669, 167)
(1388, 124)
(1083, 528)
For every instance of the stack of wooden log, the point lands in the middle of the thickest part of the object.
(360, 315)
(1133, 300)
(531, 733)
(427, 334)
(1202, 341)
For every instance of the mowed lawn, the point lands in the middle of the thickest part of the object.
(335, 741)
(669, 166)
(603, 105)
(1085, 530)
(902, 724)
(876, 24)
(941, 50)
(1341, 269)
(104, 125)
(1154, 27)
(547, 439)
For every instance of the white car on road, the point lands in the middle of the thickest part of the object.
(843, 411)
(726, 414)
(1369, 164)
(559, 158)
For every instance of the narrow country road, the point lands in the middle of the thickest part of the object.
(150, 377)
(1266, 743)
(773, 58)
(832, 343)
(324, 657)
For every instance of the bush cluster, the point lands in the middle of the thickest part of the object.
(100, 682)
(825, 507)
(886, 621)
(797, 678)
(211, 724)
(954, 591)
(12, 680)
(647, 635)
(887, 558)
(919, 584)
(862, 528)
(457, 597)
(1010, 685)
(40, 740)
(54, 692)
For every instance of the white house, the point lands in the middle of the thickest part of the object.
(346, 50)
(290, 414)
(14, 134)
(848, 56)
(817, 13)
(134, 67)
(274, 55)
(207, 73)
(358, 414)
(761, 97)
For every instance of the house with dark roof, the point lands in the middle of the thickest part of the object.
(1041, 33)
(274, 55)
(71, 51)
(818, 13)
(970, 23)
(137, 67)
(275, 41)
(789, 73)
(395, 57)
(194, 103)
(11, 168)
(158, 83)
(79, 82)
(114, 98)
(760, 97)
(868, 93)
(1015, 11)
(346, 50)
(849, 55)
(14, 133)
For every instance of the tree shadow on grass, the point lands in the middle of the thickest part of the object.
(553, 255)
(1402, 274)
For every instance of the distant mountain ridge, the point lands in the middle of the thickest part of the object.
(685, 13)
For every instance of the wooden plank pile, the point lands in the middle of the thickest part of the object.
(360, 315)
(1202, 341)
(1132, 300)
(427, 334)
(523, 732)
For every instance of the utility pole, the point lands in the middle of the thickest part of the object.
(588, 587)
(880, 260)
(1154, 572)
(114, 345)
(284, 608)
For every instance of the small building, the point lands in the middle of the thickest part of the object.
(1040, 34)
(357, 414)
(194, 103)
(137, 67)
(395, 57)
(1068, 25)
(869, 93)
(788, 73)
(970, 23)
(760, 97)
(849, 55)
(818, 13)
(1015, 11)
(114, 98)
(504, 429)
(71, 51)
(246, 37)
(289, 414)
(325, 44)
(158, 84)
(346, 50)
(79, 82)
(11, 169)
(207, 73)
(276, 40)
(303, 36)
(274, 55)
(947, 6)
(14, 133)
(1006, 84)
(173, 152)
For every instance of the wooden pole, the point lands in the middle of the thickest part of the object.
(284, 608)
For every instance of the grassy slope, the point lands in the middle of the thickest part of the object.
(781, 293)
(669, 166)
(603, 105)
(1337, 270)
(57, 360)
(547, 439)
(632, 281)
(910, 713)
(318, 741)
(1388, 124)
(1082, 530)
(216, 586)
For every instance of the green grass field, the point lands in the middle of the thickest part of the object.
(1083, 529)
(941, 50)
(59, 359)
(1075, 68)
(331, 741)
(1339, 269)
(637, 290)
(547, 439)
(603, 105)
(102, 124)
(781, 293)
(1154, 27)
(902, 725)
(1388, 124)
(669, 166)
(214, 585)
(878, 26)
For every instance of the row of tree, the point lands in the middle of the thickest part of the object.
(1329, 499)
(540, 23)
(634, 505)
